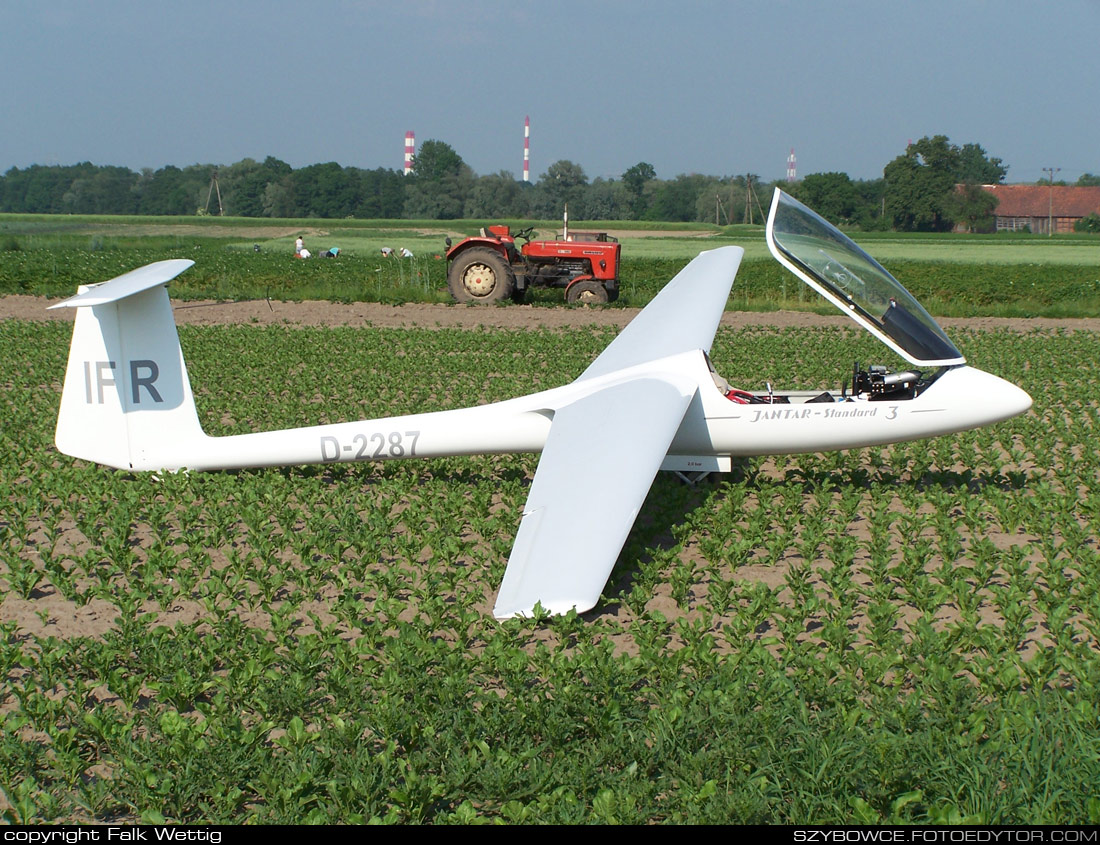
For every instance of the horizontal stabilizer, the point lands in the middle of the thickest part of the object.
(120, 287)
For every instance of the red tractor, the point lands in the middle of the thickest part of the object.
(489, 267)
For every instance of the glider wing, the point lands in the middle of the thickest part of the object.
(681, 318)
(600, 458)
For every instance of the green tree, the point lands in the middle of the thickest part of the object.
(40, 189)
(974, 207)
(103, 190)
(194, 183)
(243, 184)
(437, 160)
(562, 184)
(279, 198)
(1091, 223)
(1088, 180)
(496, 196)
(678, 199)
(439, 183)
(636, 179)
(164, 192)
(723, 201)
(974, 167)
(871, 202)
(608, 199)
(832, 195)
(326, 190)
(920, 183)
(382, 195)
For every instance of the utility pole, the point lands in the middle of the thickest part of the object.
(1050, 171)
(720, 207)
(750, 195)
(214, 187)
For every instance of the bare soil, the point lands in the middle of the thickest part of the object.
(263, 312)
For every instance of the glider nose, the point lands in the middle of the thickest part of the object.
(991, 396)
(1020, 400)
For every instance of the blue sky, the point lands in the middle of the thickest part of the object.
(719, 88)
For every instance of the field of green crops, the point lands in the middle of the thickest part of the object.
(907, 633)
(946, 289)
(641, 239)
(953, 275)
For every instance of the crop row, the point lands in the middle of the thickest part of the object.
(222, 272)
(904, 633)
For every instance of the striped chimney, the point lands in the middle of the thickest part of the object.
(527, 149)
(410, 151)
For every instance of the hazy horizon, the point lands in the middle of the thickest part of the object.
(704, 87)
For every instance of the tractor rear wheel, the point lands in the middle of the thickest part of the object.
(587, 292)
(480, 275)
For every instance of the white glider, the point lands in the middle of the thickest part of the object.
(127, 403)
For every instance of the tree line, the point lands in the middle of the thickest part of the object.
(919, 191)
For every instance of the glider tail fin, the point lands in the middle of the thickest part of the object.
(127, 401)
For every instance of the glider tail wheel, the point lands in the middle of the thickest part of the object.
(480, 275)
(586, 292)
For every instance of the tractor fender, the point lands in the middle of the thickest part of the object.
(470, 243)
(576, 279)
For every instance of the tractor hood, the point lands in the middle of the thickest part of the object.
(832, 264)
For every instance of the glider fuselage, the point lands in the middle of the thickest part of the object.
(960, 398)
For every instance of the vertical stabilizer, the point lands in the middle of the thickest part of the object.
(127, 401)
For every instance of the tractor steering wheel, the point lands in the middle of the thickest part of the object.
(525, 233)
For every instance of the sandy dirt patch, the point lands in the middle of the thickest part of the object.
(263, 312)
(194, 230)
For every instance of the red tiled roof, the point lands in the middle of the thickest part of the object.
(1035, 200)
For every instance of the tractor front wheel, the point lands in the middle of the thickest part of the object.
(480, 275)
(586, 292)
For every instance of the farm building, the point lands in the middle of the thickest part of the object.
(1034, 207)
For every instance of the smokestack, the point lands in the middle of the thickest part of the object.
(527, 149)
(410, 151)
(792, 165)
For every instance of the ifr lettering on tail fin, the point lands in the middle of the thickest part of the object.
(143, 374)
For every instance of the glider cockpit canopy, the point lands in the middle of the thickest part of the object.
(833, 265)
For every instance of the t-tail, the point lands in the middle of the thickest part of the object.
(126, 389)
(127, 401)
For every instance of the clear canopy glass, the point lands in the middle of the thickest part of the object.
(839, 270)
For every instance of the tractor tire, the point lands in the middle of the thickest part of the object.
(587, 292)
(480, 275)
